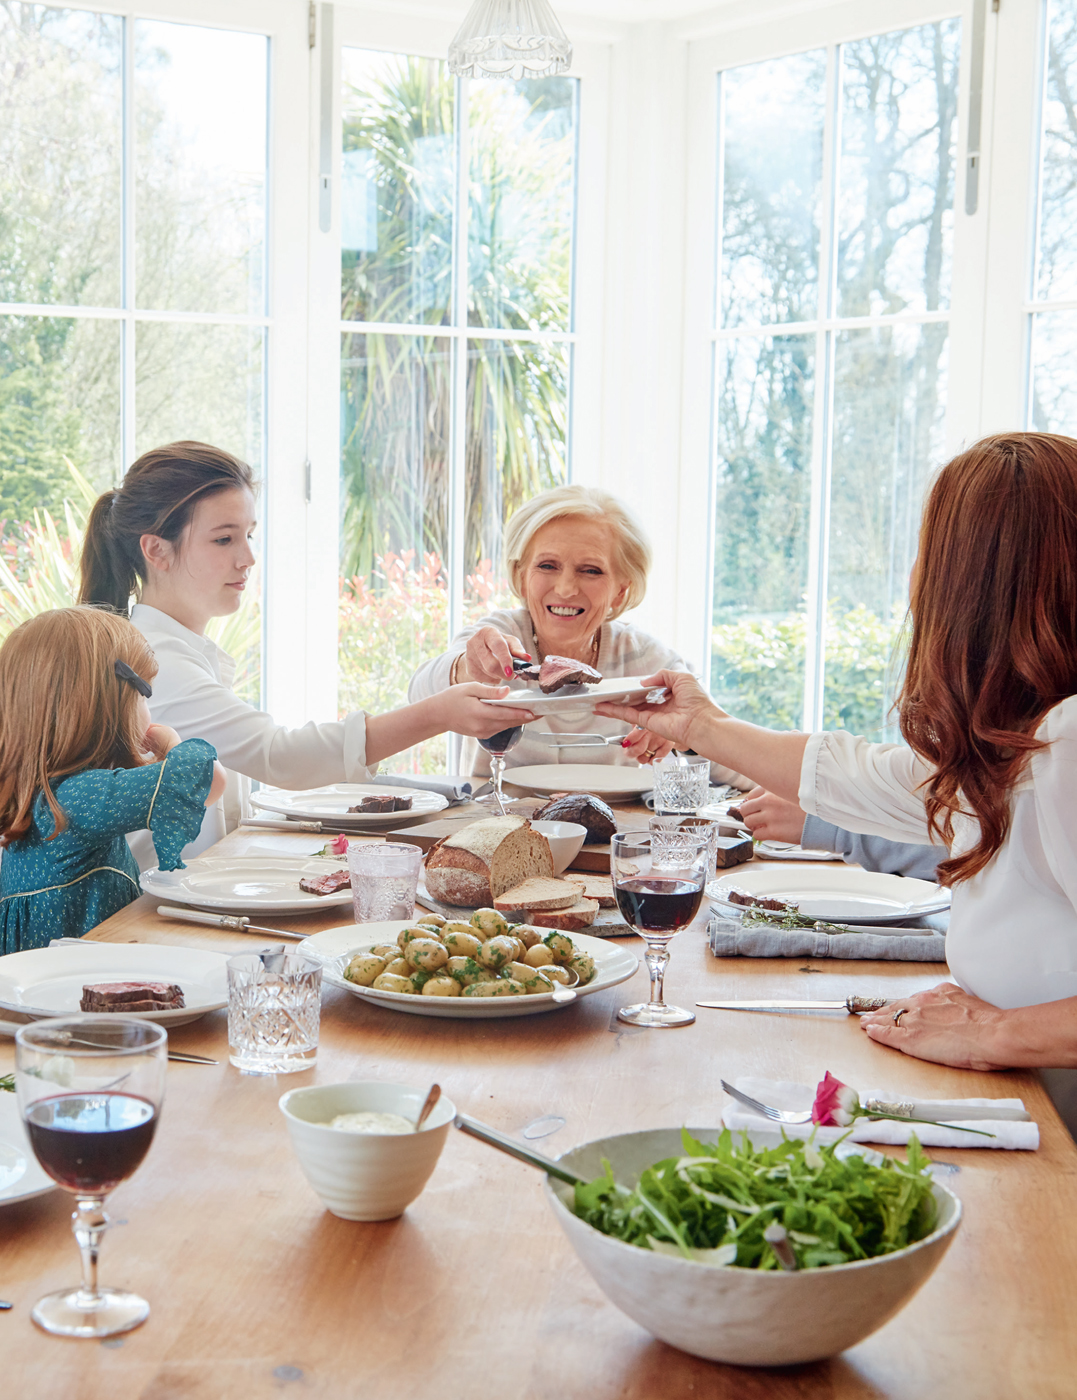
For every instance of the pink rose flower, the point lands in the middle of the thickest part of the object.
(835, 1103)
(339, 845)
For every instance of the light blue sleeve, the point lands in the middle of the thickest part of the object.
(873, 852)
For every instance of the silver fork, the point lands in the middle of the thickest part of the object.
(776, 1115)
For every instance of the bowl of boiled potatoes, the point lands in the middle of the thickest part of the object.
(481, 957)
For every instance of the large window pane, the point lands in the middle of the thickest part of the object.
(1054, 388)
(522, 196)
(397, 190)
(199, 382)
(1057, 264)
(517, 416)
(61, 139)
(394, 535)
(899, 132)
(59, 403)
(889, 407)
(764, 393)
(772, 150)
(200, 107)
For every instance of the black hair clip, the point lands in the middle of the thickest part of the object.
(124, 673)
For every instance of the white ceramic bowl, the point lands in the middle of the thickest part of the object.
(565, 840)
(741, 1316)
(364, 1176)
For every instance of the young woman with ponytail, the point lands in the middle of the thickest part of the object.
(989, 713)
(176, 537)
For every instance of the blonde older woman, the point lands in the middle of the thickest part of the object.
(577, 560)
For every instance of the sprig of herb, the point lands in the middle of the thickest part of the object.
(7, 1081)
(790, 917)
(722, 1196)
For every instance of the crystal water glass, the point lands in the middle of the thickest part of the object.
(696, 826)
(384, 879)
(274, 1012)
(681, 786)
(90, 1091)
(658, 881)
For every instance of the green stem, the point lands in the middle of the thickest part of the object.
(931, 1122)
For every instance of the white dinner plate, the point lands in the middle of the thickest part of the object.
(247, 884)
(782, 850)
(598, 779)
(838, 894)
(49, 981)
(335, 946)
(578, 699)
(20, 1176)
(330, 804)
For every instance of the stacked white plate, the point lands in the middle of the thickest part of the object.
(836, 894)
(330, 804)
(247, 884)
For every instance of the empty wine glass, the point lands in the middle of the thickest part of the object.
(658, 880)
(497, 746)
(90, 1091)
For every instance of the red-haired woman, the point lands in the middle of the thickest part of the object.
(989, 711)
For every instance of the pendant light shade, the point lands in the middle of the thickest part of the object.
(510, 39)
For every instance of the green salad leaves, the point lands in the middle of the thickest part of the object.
(714, 1203)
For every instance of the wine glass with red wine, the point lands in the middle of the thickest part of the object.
(90, 1090)
(658, 880)
(497, 746)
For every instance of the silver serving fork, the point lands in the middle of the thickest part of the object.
(580, 741)
(776, 1115)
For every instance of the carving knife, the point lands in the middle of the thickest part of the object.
(854, 1006)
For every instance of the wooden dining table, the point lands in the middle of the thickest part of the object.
(474, 1293)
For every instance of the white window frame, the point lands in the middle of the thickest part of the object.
(363, 28)
(992, 253)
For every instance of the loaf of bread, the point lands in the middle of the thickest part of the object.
(483, 859)
(539, 892)
(586, 811)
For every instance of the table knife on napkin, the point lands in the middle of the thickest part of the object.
(855, 1006)
(238, 923)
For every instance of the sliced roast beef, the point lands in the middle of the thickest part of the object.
(326, 884)
(382, 802)
(558, 671)
(126, 997)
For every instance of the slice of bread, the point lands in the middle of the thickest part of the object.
(577, 916)
(539, 893)
(598, 887)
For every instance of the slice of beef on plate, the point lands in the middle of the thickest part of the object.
(326, 884)
(557, 671)
(131, 996)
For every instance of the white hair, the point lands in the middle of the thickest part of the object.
(632, 551)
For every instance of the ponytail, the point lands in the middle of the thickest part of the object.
(109, 577)
(158, 497)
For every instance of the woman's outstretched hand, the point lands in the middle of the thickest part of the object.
(771, 818)
(488, 657)
(461, 710)
(944, 1025)
(673, 721)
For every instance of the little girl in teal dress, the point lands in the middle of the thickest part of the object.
(77, 773)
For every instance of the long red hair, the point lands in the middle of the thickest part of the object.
(994, 628)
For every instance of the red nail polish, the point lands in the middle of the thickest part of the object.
(624, 743)
(508, 670)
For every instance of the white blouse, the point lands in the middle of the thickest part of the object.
(192, 692)
(1013, 928)
(623, 650)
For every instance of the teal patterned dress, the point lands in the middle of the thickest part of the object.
(64, 888)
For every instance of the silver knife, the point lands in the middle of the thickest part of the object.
(855, 1006)
(937, 1111)
(236, 922)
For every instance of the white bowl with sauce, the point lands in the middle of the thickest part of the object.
(365, 1175)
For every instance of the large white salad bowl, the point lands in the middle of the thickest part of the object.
(741, 1316)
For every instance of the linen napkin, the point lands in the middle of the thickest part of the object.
(729, 939)
(453, 786)
(784, 1094)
